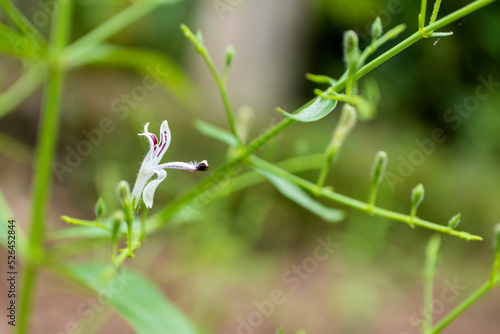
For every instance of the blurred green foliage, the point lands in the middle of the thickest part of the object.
(239, 246)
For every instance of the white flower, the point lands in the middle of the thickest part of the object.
(151, 165)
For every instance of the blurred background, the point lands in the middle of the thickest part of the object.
(231, 255)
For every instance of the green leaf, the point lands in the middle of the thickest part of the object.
(162, 70)
(15, 44)
(296, 194)
(78, 232)
(312, 111)
(212, 131)
(136, 299)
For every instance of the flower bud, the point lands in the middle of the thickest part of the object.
(454, 221)
(378, 170)
(417, 195)
(351, 50)
(99, 207)
(377, 29)
(117, 220)
(229, 55)
(123, 190)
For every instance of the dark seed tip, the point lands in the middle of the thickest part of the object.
(202, 166)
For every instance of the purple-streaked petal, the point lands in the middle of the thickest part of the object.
(164, 142)
(149, 191)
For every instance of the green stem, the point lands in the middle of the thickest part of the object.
(221, 81)
(417, 36)
(22, 88)
(356, 204)
(421, 16)
(457, 311)
(162, 217)
(429, 273)
(435, 11)
(47, 138)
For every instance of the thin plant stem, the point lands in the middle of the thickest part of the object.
(421, 16)
(160, 219)
(220, 81)
(431, 258)
(33, 78)
(457, 311)
(42, 171)
(359, 205)
(435, 11)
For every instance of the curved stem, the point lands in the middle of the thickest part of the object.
(457, 311)
(161, 217)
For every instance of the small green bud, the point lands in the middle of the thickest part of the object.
(230, 52)
(351, 41)
(378, 170)
(376, 28)
(197, 39)
(379, 167)
(100, 207)
(454, 221)
(351, 50)
(117, 220)
(123, 190)
(417, 195)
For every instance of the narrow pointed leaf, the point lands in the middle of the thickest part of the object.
(299, 196)
(212, 131)
(135, 298)
(313, 111)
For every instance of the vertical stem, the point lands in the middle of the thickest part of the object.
(221, 84)
(429, 272)
(421, 16)
(435, 11)
(47, 137)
